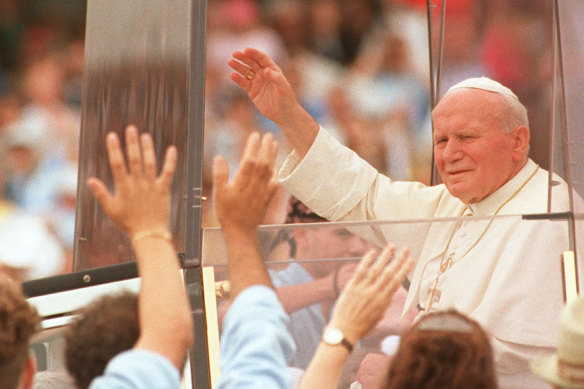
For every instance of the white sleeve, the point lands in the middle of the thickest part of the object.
(338, 185)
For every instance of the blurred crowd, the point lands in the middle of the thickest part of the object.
(41, 65)
(360, 68)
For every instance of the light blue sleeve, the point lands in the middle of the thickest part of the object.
(255, 344)
(138, 369)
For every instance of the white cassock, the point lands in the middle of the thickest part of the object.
(505, 271)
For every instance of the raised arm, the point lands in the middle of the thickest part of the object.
(272, 94)
(255, 343)
(241, 205)
(140, 207)
(360, 306)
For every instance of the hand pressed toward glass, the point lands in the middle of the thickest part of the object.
(367, 295)
(141, 203)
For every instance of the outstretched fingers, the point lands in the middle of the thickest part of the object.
(265, 168)
(168, 167)
(248, 160)
(394, 274)
(101, 193)
(383, 259)
(220, 173)
(247, 60)
(116, 158)
(266, 157)
(240, 65)
(133, 150)
(258, 59)
(148, 155)
(362, 271)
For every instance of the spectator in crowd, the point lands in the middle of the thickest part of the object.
(443, 350)
(34, 167)
(115, 319)
(28, 249)
(565, 368)
(18, 322)
(141, 208)
(309, 286)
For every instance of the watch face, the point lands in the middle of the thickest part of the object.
(333, 336)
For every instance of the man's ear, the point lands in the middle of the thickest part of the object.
(27, 376)
(521, 138)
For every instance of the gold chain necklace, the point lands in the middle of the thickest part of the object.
(446, 262)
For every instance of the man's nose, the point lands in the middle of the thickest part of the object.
(452, 151)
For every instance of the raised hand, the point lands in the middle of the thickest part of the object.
(240, 206)
(264, 82)
(368, 294)
(273, 96)
(242, 203)
(141, 202)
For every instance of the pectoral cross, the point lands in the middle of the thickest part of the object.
(433, 292)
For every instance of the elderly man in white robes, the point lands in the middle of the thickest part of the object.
(502, 272)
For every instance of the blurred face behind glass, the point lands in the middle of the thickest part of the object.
(474, 155)
(329, 243)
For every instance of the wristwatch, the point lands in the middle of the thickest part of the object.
(333, 336)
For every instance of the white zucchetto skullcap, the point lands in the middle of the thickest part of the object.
(484, 83)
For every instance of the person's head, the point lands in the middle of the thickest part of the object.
(443, 350)
(323, 242)
(564, 369)
(43, 79)
(18, 322)
(102, 329)
(481, 138)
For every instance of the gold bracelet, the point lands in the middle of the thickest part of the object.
(151, 234)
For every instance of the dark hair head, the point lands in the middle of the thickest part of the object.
(102, 329)
(18, 322)
(298, 212)
(443, 350)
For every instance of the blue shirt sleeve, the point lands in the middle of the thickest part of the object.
(255, 344)
(139, 369)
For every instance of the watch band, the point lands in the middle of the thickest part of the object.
(347, 344)
(333, 337)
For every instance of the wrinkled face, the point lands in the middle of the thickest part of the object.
(473, 155)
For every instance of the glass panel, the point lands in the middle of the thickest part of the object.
(492, 261)
(141, 80)
(501, 268)
(570, 60)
